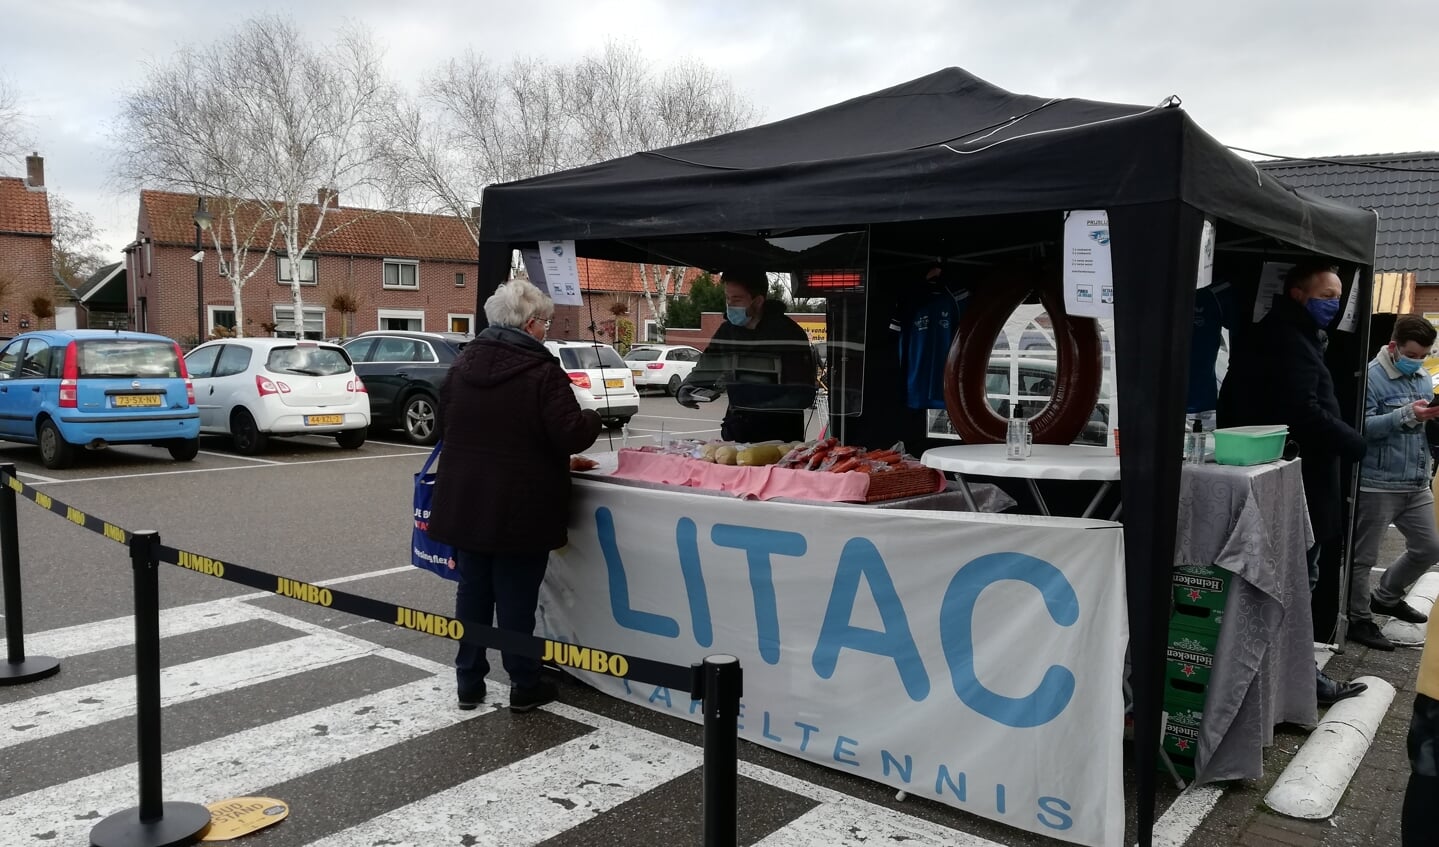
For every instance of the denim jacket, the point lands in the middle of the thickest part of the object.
(1398, 455)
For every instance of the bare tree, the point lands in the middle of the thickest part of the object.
(273, 126)
(14, 126)
(475, 124)
(76, 250)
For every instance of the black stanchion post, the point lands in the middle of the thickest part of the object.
(17, 668)
(154, 823)
(723, 688)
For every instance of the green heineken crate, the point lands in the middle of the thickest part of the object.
(1200, 594)
(1183, 719)
(1189, 659)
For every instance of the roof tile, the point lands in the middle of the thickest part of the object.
(23, 210)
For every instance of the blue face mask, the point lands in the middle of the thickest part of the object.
(1407, 366)
(736, 315)
(1322, 311)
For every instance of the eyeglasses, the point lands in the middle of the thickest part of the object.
(545, 322)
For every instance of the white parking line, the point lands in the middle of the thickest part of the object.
(231, 456)
(36, 477)
(236, 468)
(675, 418)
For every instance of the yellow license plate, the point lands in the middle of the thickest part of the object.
(614, 383)
(126, 401)
(324, 420)
(638, 374)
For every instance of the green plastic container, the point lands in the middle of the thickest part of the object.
(1249, 445)
(1200, 594)
(1184, 718)
(1189, 659)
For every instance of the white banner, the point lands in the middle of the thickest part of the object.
(1088, 272)
(972, 660)
(562, 272)
(1206, 255)
(1271, 283)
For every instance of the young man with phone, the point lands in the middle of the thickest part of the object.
(1394, 481)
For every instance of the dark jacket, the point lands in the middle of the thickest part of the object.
(776, 352)
(510, 422)
(1278, 376)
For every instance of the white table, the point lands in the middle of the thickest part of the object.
(1071, 462)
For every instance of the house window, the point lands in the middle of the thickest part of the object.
(400, 273)
(314, 322)
(307, 270)
(402, 320)
(462, 323)
(459, 279)
(222, 316)
(652, 331)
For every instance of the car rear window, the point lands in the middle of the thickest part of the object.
(643, 356)
(589, 358)
(113, 358)
(313, 361)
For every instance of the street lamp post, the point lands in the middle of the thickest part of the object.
(202, 225)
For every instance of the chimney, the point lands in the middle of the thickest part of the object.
(35, 171)
(329, 194)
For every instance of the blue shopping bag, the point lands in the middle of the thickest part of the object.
(425, 552)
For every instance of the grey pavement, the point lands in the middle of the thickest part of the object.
(352, 721)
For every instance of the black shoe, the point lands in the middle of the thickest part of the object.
(1399, 611)
(529, 699)
(471, 700)
(1368, 634)
(1330, 691)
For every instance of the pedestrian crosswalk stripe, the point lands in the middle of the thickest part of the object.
(120, 632)
(73, 708)
(533, 799)
(238, 764)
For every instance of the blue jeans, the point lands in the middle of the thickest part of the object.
(504, 586)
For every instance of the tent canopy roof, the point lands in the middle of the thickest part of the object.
(946, 145)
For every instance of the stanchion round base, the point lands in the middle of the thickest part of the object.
(180, 823)
(33, 668)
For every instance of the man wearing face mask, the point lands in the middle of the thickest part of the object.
(1278, 376)
(760, 348)
(1394, 482)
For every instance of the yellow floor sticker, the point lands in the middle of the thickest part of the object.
(243, 815)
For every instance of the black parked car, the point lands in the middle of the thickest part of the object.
(402, 372)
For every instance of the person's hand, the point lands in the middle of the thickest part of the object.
(1424, 412)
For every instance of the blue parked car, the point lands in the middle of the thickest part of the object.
(90, 388)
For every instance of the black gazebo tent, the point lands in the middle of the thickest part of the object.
(952, 146)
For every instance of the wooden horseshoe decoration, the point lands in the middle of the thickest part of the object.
(1079, 369)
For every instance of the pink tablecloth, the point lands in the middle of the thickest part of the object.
(759, 483)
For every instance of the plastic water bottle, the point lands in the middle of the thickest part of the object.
(1017, 438)
(1198, 443)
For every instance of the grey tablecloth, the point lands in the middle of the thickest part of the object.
(1252, 522)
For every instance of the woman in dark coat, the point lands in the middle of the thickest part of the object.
(510, 423)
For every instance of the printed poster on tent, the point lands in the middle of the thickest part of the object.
(1088, 272)
(562, 272)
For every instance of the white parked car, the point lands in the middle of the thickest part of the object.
(662, 366)
(253, 388)
(601, 379)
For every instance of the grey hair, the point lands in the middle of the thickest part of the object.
(516, 302)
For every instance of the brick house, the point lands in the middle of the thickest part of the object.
(26, 255)
(401, 270)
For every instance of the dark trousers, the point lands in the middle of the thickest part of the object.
(504, 586)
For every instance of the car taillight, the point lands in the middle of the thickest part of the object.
(266, 385)
(355, 386)
(189, 392)
(185, 375)
(656, 366)
(580, 379)
(69, 397)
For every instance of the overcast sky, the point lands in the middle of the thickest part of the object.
(1294, 77)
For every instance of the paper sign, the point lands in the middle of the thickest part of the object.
(562, 272)
(1206, 255)
(243, 815)
(1088, 273)
(1271, 282)
(534, 269)
(1351, 306)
